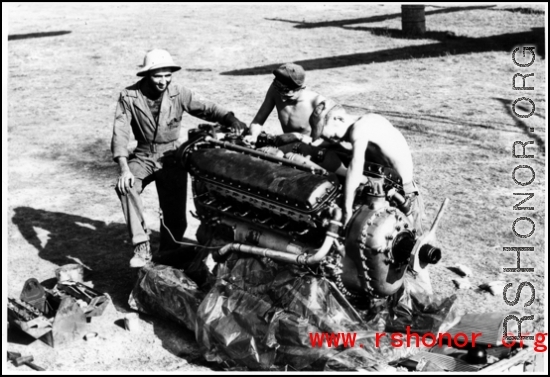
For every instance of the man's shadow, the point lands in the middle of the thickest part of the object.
(104, 249)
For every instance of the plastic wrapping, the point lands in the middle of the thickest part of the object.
(168, 293)
(421, 313)
(264, 316)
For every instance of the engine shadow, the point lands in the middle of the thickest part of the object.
(449, 46)
(15, 37)
(103, 249)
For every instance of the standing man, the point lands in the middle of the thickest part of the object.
(152, 110)
(294, 104)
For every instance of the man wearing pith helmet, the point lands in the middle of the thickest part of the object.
(152, 110)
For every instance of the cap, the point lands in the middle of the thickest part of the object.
(290, 74)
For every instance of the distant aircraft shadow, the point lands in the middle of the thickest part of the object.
(448, 46)
(14, 37)
(379, 18)
(399, 34)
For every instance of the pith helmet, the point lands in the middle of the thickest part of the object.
(156, 59)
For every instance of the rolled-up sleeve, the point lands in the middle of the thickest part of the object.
(200, 107)
(121, 129)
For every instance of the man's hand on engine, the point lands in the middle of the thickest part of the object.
(234, 123)
(251, 136)
(291, 137)
(125, 181)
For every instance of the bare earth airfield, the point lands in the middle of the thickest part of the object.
(449, 92)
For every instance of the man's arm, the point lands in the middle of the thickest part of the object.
(209, 111)
(119, 145)
(354, 175)
(265, 109)
(121, 129)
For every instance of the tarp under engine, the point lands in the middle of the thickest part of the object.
(255, 313)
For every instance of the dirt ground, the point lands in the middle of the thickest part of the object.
(449, 92)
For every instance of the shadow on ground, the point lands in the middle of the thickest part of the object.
(530, 132)
(449, 46)
(14, 37)
(380, 18)
(102, 247)
(104, 250)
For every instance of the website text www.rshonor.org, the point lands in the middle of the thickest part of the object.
(412, 339)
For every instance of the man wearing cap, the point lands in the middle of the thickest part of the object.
(294, 104)
(375, 142)
(152, 110)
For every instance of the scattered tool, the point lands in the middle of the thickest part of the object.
(19, 360)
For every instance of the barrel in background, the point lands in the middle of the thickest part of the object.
(413, 19)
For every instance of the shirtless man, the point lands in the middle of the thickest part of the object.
(294, 104)
(373, 139)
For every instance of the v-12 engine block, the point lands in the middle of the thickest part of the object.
(282, 206)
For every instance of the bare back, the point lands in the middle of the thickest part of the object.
(386, 144)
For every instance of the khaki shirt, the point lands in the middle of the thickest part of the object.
(134, 116)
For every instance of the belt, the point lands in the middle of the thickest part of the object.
(156, 147)
(371, 169)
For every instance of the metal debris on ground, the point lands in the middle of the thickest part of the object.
(494, 287)
(56, 316)
(19, 360)
(463, 270)
(462, 283)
